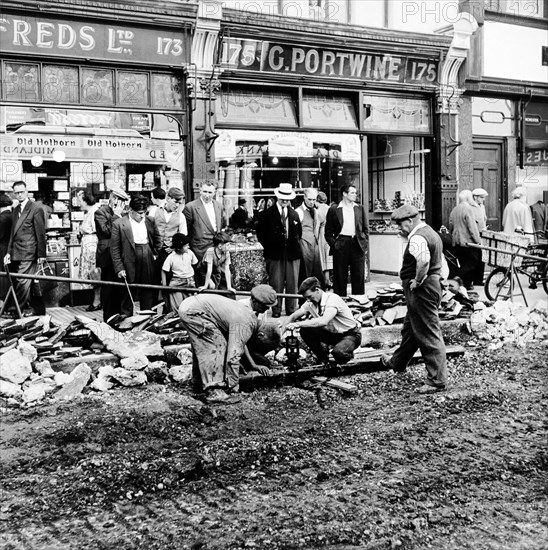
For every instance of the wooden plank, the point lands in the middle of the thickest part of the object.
(337, 384)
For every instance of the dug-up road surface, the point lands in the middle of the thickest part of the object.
(288, 467)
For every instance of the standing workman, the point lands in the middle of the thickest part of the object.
(219, 329)
(420, 275)
(329, 323)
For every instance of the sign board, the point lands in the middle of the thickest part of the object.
(89, 148)
(45, 36)
(278, 57)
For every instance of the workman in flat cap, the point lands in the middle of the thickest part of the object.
(421, 275)
(220, 329)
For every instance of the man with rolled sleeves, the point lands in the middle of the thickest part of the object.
(105, 216)
(420, 275)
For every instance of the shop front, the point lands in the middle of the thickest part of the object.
(85, 106)
(320, 117)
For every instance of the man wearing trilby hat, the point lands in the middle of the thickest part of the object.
(279, 231)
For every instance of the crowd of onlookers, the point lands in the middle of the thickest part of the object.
(165, 241)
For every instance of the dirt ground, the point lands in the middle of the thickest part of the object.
(289, 467)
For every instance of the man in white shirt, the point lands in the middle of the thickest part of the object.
(329, 322)
(346, 232)
(420, 274)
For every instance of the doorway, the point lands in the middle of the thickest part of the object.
(489, 163)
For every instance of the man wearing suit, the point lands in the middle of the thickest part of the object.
(135, 240)
(346, 231)
(279, 231)
(104, 217)
(204, 218)
(27, 246)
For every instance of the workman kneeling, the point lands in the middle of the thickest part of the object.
(330, 323)
(219, 329)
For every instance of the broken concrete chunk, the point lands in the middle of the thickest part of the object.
(185, 356)
(137, 362)
(44, 368)
(129, 377)
(9, 389)
(101, 384)
(80, 378)
(26, 350)
(15, 368)
(181, 373)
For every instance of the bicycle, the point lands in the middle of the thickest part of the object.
(530, 260)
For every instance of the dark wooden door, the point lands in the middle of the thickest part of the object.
(488, 166)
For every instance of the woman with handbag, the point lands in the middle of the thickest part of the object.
(88, 243)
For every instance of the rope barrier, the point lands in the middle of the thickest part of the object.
(137, 285)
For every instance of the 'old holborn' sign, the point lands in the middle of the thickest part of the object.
(52, 37)
(256, 55)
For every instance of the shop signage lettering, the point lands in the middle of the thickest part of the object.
(52, 37)
(89, 148)
(252, 55)
(536, 156)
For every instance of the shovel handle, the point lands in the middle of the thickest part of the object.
(130, 296)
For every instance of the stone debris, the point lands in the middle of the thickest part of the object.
(15, 368)
(80, 377)
(137, 362)
(129, 377)
(9, 389)
(181, 373)
(507, 322)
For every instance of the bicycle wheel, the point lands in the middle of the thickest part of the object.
(497, 284)
(545, 278)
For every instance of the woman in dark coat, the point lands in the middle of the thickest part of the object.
(5, 231)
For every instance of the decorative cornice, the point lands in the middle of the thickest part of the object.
(265, 27)
(449, 92)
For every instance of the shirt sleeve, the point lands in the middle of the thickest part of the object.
(227, 258)
(418, 248)
(167, 264)
(208, 256)
(193, 258)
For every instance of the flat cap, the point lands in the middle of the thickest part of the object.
(479, 192)
(404, 212)
(120, 193)
(264, 294)
(175, 193)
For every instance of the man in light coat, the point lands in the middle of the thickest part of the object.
(311, 264)
(204, 218)
(517, 215)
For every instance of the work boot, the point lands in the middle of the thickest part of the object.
(218, 395)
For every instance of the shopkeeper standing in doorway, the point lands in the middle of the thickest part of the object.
(27, 246)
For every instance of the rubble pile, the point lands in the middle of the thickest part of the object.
(32, 349)
(386, 306)
(508, 322)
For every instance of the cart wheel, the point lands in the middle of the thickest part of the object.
(497, 284)
(545, 278)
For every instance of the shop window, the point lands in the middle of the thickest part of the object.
(167, 91)
(321, 111)
(252, 107)
(132, 89)
(397, 114)
(21, 82)
(253, 163)
(98, 86)
(60, 84)
(397, 174)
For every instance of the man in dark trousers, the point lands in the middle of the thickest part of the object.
(420, 275)
(27, 246)
(134, 243)
(104, 218)
(279, 231)
(346, 230)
